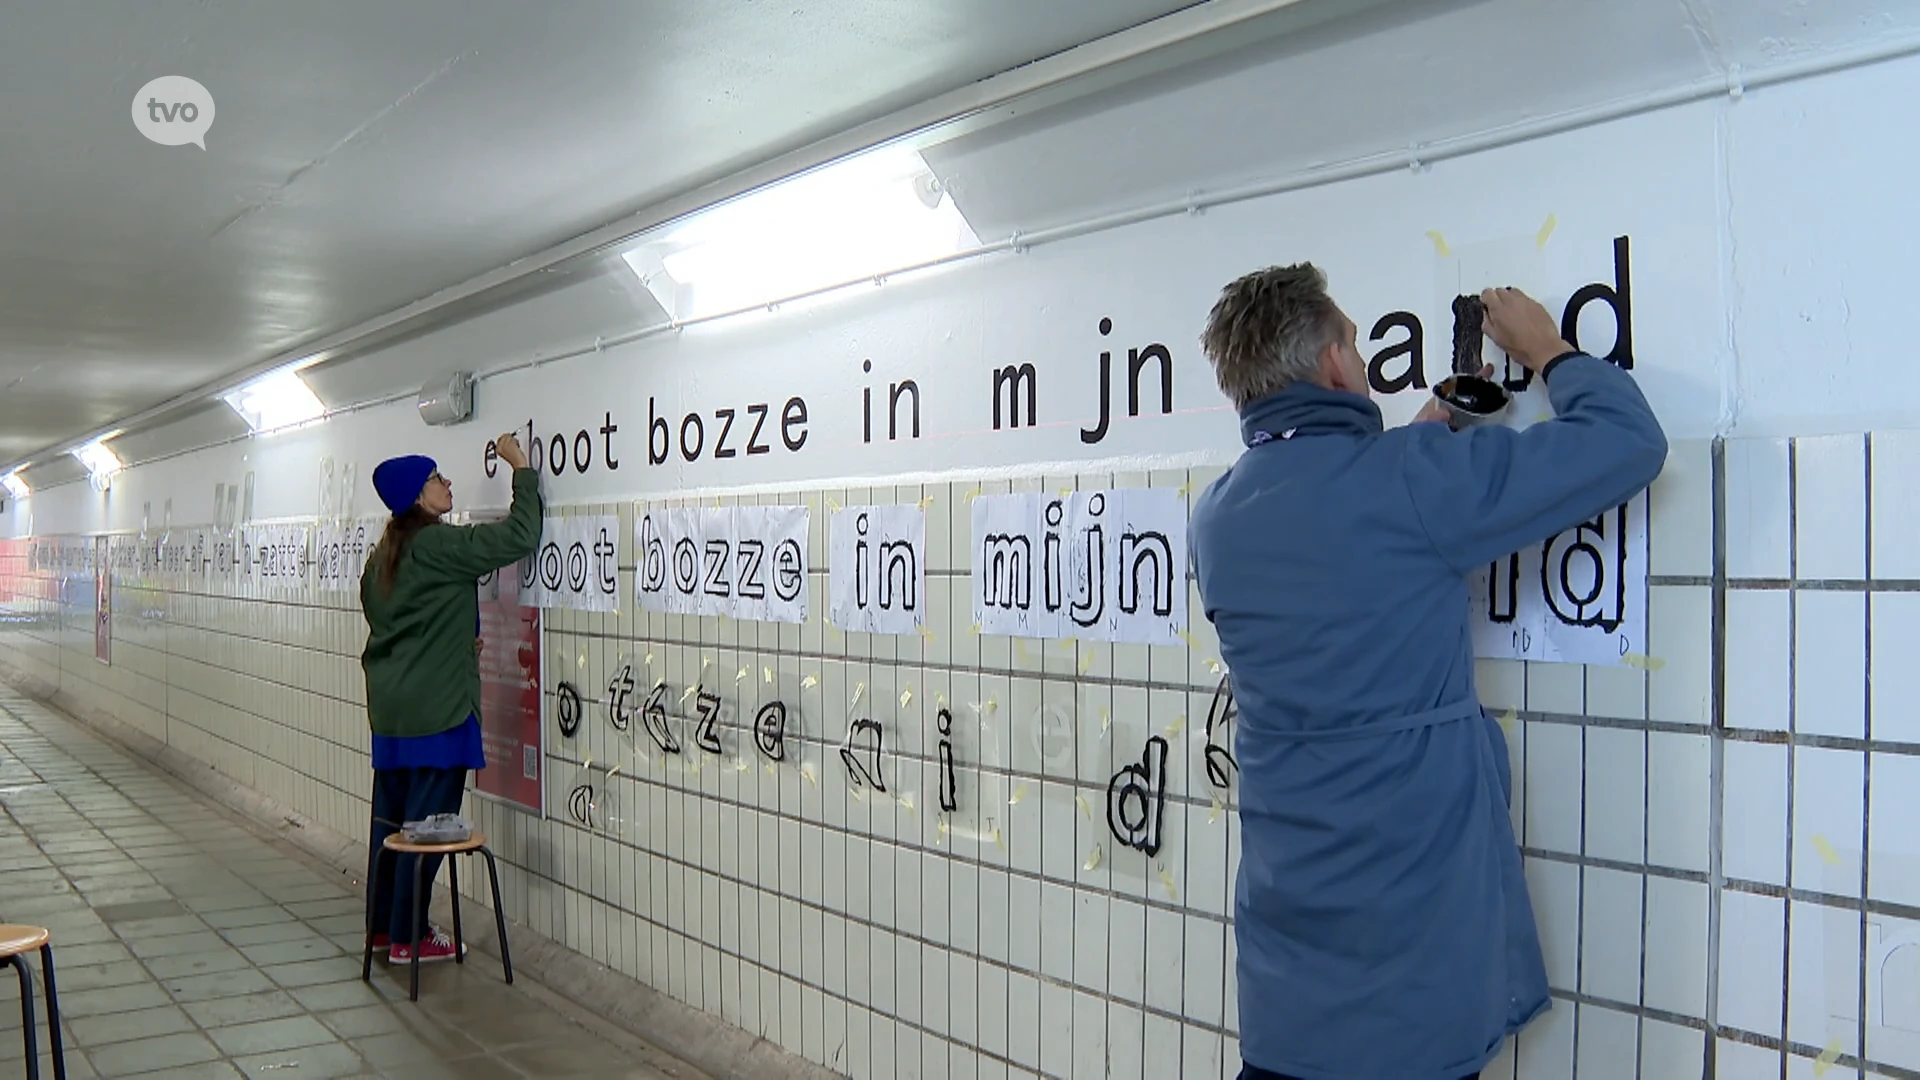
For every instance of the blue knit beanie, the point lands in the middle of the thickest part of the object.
(400, 480)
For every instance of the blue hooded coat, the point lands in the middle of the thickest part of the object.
(1381, 915)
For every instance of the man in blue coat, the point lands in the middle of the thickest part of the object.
(1381, 914)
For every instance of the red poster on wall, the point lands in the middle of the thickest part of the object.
(510, 696)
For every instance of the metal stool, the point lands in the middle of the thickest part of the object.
(15, 943)
(397, 845)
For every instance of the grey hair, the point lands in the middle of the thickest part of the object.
(1268, 329)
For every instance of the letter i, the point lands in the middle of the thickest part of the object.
(866, 397)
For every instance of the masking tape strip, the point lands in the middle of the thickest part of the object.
(1546, 230)
(1093, 858)
(1439, 243)
(1643, 661)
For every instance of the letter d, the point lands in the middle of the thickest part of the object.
(1619, 297)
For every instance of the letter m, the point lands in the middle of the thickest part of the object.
(1007, 382)
(1006, 572)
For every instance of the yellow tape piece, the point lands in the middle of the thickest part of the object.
(1213, 814)
(1825, 850)
(1093, 858)
(833, 507)
(1019, 792)
(770, 769)
(1187, 636)
(976, 629)
(611, 771)
(1508, 719)
(1106, 719)
(906, 802)
(745, 671)
(706, 662)
(1546, 230)
(587, 764)
(807, 771)
(740, 764)
(649, 659)
(857, 796)
(1439, 243)
(941, 838)
(1081, 802)
(1166, 878)
(906, 696)
(1086, 661)
(999, 841)
(925, 632)
(809, 682)
(583, 661)
(1643, 661)
(1184, 490)
(940, 700)
(926, 502)
(1215, 667)
(1826, 1059)
(859, 690)
(1178, 723)
(972, 494)
(691, 690)
(767, 672)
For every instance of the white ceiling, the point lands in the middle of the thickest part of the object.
(366, 154)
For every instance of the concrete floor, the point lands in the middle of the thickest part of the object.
(190, 944)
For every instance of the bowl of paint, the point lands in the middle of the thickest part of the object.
(1472, 400)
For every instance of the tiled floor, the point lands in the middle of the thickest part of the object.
(191, 944)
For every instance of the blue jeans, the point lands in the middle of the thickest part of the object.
(400, 796)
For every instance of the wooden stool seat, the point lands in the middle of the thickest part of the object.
(397, 845)
(15, 940)
(17, 945)
(400, 845)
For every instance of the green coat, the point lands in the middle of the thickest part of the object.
(423, 675)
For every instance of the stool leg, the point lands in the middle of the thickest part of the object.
(53, 1013)
(453, 882)
(499, 915)
(419, 902)
(27, 1036)
(373, 890)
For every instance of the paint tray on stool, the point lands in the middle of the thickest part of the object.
(438, 829)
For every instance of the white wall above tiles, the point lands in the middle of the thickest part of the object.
(1714, 846)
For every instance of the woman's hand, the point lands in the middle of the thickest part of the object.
(509, 450)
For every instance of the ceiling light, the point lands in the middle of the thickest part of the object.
(15, 486)
(100, 462)
(869, 215)
(279, 400)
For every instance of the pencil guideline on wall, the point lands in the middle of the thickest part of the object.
(1101, 565)
(877, 569)
(743, 562)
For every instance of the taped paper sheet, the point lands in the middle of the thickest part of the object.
(1096, 565)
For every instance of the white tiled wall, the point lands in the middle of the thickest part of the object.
(1719, 840)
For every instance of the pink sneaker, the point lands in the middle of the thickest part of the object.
(436, 946)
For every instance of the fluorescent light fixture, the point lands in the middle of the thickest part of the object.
(872, 214)
(279, 400)
(100, 461)
(15, 486)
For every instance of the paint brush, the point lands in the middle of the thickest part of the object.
(1470, 398)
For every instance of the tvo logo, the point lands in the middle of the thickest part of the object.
(174, 110)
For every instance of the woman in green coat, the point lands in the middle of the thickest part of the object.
(420, 596)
